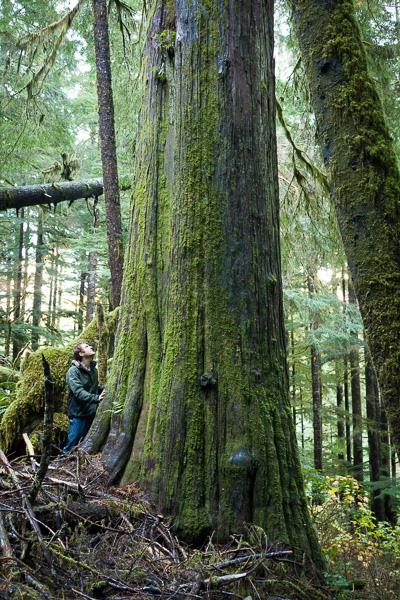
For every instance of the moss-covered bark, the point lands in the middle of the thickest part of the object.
(202, 417)
(25, 412)
(364, 176)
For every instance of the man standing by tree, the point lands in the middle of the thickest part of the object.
(84, 394)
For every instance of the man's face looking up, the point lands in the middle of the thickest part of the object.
(86, 351)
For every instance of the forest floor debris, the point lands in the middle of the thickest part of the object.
(90, 541)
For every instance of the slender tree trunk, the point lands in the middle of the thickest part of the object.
(346, 387)
(54, 294)
(356, 403)
(393, 461)
(18, 288)
(51, 277)
(199, 373)
(108, 148)
(389, 512)
(374, 439)
(303, 445)
(293, 378)
(26, 263)
(364, 177)
(91, 286)
(37, 287)
(347, 409)
(59, 298)
(7, 341)
(316, 386)
(339, 404)
(83, 279)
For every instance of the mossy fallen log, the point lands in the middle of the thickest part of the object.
(26, 411)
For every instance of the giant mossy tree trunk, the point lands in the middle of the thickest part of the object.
(199, 380)
(363, 173)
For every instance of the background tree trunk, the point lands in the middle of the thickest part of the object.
(91, 285)
(346, 387)
(202, 415)
(339, 404)
(18, 288)
(108, 148)
(364, 176)
(355, 385)
(315, 384)
(37, 287)
(374, 440)
(82, 284)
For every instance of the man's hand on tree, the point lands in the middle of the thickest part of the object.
(103, 393)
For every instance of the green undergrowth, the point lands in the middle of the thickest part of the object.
(362, 554)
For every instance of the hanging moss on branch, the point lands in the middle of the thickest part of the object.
(27, 410)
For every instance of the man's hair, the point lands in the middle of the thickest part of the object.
(76, 351)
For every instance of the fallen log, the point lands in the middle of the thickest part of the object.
(53, 193)
(49, 193)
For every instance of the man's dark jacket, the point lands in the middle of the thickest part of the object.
(83, 390)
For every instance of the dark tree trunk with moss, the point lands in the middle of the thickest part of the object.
(108, 148)
(199, 379)
(339, 404)
(363, 173)
(355, 385)
(315, 383)
(346, 388)
(374, 437)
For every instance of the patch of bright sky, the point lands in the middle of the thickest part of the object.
(66, 5)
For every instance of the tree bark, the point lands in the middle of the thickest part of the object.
(7, 341)
(91, 286)
(374, 438)
(37, 286)
(315, 385)
(108, 148)
(18, 288)
(387, 500)
(355, 385)
(26, 261)
(364, 177)
(51, 277)
(202, 413)
(346, 388)
(55, 290)
(339, 404)
(293, 377)
(83, 279)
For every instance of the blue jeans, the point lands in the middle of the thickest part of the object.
(78, 428)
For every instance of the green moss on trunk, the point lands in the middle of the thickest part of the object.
(364, 176)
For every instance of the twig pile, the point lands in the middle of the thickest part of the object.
(81, 539)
